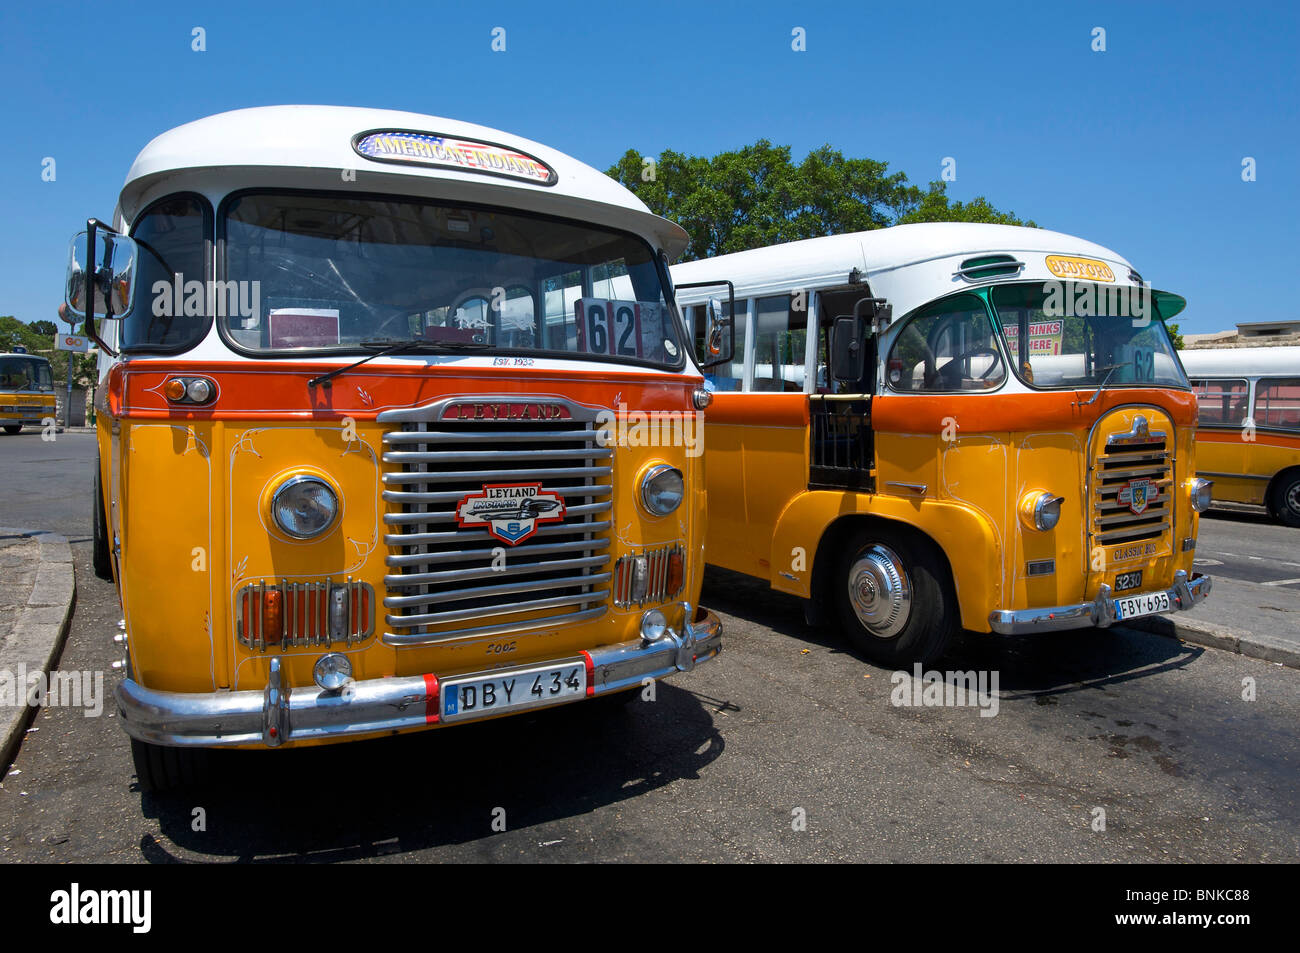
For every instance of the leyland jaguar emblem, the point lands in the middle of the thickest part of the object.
(1137, 495)
(511, 511)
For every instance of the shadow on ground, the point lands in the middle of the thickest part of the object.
(1039, 666)
(434, 788)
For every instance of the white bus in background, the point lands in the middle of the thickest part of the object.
(1248, 437)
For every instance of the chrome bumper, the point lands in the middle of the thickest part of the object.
(279, 713)
(1183, 594)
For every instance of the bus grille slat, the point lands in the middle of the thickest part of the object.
(1140, 455)
(448, 582)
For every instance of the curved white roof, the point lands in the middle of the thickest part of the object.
(1241, 361)
(274, 138)
(909, 265)
(828, 260)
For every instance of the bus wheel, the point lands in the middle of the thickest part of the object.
(894, 601)
(100, 555)
(13, 428)
(1284, 498)
(168, 769)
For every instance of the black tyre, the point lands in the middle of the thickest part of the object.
(101, 556)
(13, 428)
(894, 599)
(168, 769)
(1284, 498)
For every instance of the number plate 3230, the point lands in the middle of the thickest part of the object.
(480, 696)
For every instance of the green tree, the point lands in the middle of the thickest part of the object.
(935, 206)
(45, 328)
(13, 331)
(758, 196)
(1175, 335)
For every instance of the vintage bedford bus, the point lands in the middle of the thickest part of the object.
(934, 426)
(373, 453)
(1248, 439)
(26, 391)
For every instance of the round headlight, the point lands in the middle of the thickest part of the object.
(332, 671)
(305, 507)
(662, 489)
(654, 625)
(1202, 494)
(1040, 510)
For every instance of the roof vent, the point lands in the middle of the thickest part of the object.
(989, 266)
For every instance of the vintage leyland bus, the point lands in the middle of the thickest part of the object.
(26, 391)
(373, 453)
(942, 425)
(1248, 438)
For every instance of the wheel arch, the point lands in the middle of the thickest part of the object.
(820, 522)
(1275, 484)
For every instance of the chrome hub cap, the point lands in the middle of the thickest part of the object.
(1293, 498)
(880, 592)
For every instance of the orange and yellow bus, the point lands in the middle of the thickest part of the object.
(398, 428)
(936, 426)
(1248, 439)
(26, 391)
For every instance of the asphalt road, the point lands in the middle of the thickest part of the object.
(786, 726)
(1241, 542)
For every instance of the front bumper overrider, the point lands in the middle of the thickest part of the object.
(1183, 594)
(278, 713)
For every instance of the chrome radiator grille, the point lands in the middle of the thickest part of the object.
(1132, 487)
(447, 581)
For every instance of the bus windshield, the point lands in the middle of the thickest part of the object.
(25, 373)
(1075, 335)
(325, 272)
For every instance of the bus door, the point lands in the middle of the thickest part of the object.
(756, 430)
(842, 451)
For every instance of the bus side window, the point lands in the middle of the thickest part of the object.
(1220, 403)
(780, 343)
(1277, 404)
(174, 235)
(947, 346)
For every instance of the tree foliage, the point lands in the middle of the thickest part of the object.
(758, 196)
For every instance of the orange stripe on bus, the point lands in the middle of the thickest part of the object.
(759, 410)
(247, 390)
(1235, 435)
(989, 413)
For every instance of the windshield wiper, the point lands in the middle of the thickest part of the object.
(1109, 371)
(395, 347)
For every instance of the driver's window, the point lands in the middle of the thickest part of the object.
(947, 346)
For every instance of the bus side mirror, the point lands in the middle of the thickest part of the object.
(720, 339)
(111, 273)
(848, 348)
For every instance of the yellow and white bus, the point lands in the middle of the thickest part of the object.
(26, 391)
(1248, 437)
(370, 424)
(942, 425)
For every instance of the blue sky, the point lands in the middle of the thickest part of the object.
(1139, 147)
